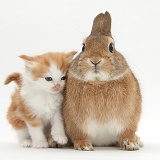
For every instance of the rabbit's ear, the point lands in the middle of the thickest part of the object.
(106, 29)
(102, 24)
(97, 24)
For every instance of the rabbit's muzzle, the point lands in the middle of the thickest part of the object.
(95, 65)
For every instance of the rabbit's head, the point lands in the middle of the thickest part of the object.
(99, 60)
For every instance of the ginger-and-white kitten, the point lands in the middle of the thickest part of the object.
(36, 103)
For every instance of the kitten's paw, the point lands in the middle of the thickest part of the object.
(40, 144)
(60, 139)
(131, 146)
(83, 145)
(26, 143)
(51, 142)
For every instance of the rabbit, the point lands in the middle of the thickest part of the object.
(102, 102)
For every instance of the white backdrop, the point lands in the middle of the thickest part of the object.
(37, 26)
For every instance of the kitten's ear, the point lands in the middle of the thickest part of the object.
(29, 61)
(70, 55)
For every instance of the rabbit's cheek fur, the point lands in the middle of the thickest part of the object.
(92, 76)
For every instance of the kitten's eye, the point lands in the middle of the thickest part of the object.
(111, 47)
(63, 78)
(48, 79)
(83, 48)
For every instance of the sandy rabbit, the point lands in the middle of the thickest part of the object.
(102, 103)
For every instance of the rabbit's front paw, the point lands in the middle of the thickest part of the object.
(130, 145)
(83, 145)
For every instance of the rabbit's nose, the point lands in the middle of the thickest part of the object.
(95, 63)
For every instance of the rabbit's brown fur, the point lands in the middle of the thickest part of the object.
(102, 104)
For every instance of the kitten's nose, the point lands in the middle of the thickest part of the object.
(57, 87)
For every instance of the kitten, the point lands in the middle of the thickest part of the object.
(36, 103)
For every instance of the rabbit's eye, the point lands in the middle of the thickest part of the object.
(111, 47)
(83, 48)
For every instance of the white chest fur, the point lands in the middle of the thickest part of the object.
(103, 134)
(41, 104)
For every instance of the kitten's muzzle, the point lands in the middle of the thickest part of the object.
(57, 87)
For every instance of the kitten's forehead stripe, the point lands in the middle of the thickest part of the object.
(55, 72)
(45, 61)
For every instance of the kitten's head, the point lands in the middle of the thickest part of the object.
(47, 72)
